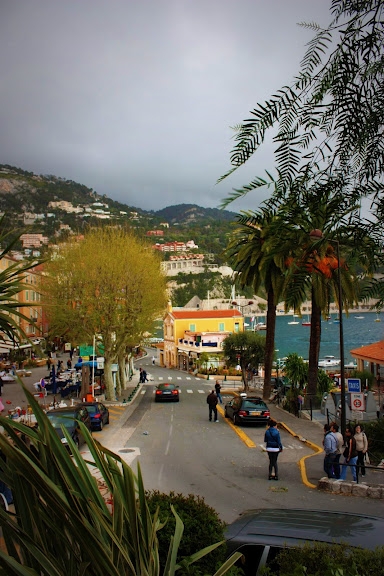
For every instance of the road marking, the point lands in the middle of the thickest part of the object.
(161, 377)
(246, 439)
(201, 391)
(169, 377)
(143, 392)
(189, 391)
(188, 378)
(179, 378)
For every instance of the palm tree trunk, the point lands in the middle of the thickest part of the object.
(269, 343)
(314, 348)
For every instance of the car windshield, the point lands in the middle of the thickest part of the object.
(166, 387)
(58, 419)
(92, 409)
(253, 404)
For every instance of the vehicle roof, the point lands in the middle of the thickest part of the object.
(291, 527)
(95, 403)
(68, 409)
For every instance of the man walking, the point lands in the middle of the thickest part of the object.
(212, 404)
(340, 441)
(218, 391)
(330, 449)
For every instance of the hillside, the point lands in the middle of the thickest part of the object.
(55, 206)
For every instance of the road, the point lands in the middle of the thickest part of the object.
(180, 450)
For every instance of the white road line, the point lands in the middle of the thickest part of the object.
(188, 378)
(201, 391)
(161, 378)
(179, 378)
(143, 392)
(167, 447)
(189, 391)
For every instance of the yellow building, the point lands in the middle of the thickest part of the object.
(189, 333)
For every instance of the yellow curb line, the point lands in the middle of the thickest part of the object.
(301, 462)
(247, 441)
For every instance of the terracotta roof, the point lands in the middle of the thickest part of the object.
(371, 353)
(201, 314)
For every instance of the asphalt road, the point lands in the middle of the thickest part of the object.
(180, 450)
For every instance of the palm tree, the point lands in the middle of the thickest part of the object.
(11, 285)
(250, 257)
(313, 270)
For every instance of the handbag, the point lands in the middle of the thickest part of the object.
(346, 452)
(366, 458)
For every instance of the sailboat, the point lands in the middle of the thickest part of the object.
(377, 319)
(294, 321)
(306, 322)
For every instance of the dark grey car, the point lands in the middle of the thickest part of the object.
(260, 534)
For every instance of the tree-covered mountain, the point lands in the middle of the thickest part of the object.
(22, 192)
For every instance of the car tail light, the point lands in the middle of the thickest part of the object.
(243, 413)
(267, 413)
(175, 392)
(158, 392)
(97, 415)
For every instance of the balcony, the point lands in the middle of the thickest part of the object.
(188, 345)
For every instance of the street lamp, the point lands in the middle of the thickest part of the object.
(318, 235)
(249, 303)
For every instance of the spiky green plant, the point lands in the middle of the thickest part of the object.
(62, 523)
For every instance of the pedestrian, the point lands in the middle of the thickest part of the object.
(361, 447)
(144, 373)
(1, 386)
(71, 354)
(212, 404)
(69, 364)
(330, 449)
(153, 360)
(339, 451)
(141, 375)
(218, 391)
(350, 455)
(49, 363)
(273, 447)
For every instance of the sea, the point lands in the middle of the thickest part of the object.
(358, 329)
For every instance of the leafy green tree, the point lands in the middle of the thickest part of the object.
(109, 284)
(296, 370)
(245, 349)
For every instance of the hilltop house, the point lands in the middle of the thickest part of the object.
(189, 333)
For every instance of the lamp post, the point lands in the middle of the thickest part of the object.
(242, 306)
(318, 235)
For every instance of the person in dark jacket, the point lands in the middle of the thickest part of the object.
(273, 447)
(212, 403)
(350, 455)
(218, 391)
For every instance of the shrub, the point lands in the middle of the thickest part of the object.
(375, 434)
(30, 363)
(202, 527)
(321, 559)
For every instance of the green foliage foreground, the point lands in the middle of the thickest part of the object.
(63, 525)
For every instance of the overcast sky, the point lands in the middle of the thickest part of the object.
(135, 98)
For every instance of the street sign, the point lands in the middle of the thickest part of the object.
(354, 384)
(357, 402)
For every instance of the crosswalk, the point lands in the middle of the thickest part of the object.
(187, 391)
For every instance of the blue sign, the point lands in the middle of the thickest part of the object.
(354, 384)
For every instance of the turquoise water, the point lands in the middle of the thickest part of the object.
(295, 337)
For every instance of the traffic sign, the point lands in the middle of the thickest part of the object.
(357, 402)
(354, 384)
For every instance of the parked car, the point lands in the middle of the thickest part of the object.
(247, 410)
(261, 534)
(98, 413)
(69, 417)
(167, 392)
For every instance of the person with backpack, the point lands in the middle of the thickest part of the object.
(212, 405)
(273, 447)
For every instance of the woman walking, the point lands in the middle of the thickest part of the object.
(273, 446)
(361, 447)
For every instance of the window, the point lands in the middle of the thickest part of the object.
(237, 327)
(221, 326)
(192, 327)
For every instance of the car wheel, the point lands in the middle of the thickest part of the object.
(101, 425)
(235, 421)
(226, 413)
(107, 422)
